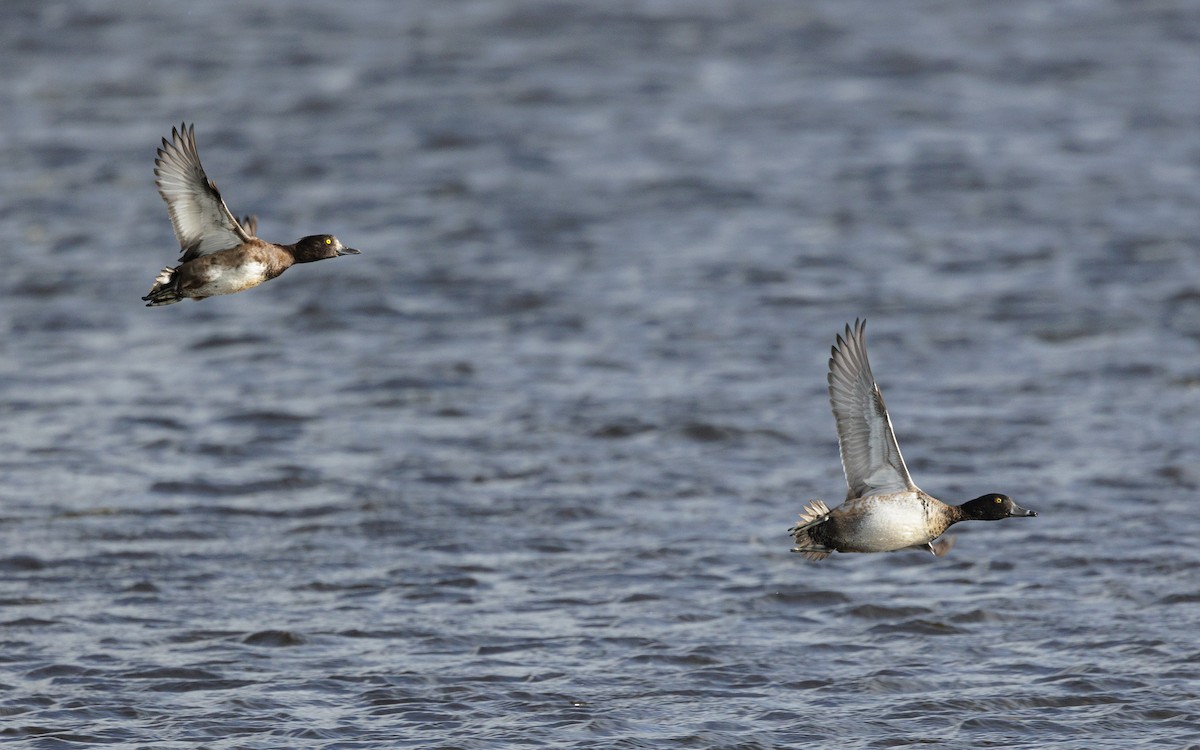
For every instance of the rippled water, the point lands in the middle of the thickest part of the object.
(520, 475)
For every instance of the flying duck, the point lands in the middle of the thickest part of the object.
(884, 510)
(220, 254)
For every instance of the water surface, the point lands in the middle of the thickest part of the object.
(520, 475)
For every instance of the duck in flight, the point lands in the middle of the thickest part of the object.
(220, 254)
(884, 511)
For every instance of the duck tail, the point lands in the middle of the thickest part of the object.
(164, 291)
(814, 514)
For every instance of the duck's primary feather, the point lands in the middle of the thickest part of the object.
(202, 222)
(870, 456)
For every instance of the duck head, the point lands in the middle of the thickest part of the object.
(992, 507)
(320, 247)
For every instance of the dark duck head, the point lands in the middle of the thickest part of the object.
(993, 507)
(319, 247)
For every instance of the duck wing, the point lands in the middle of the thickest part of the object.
(870, 456)
(202, 223)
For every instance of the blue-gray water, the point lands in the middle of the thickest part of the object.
(520, 475)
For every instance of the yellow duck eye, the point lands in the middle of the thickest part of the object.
(328, 241)
(999, 500)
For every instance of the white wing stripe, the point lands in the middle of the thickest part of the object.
(202, 222)
(870, 456)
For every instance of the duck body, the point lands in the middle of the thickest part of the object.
(884, 523)
(221, 255)
(884, 510)
(238, 268)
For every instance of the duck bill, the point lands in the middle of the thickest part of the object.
(1017, 510)
(348, 251)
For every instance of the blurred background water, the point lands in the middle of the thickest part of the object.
(520, 475)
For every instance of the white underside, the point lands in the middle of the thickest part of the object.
(891, 522)
(229, 281)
